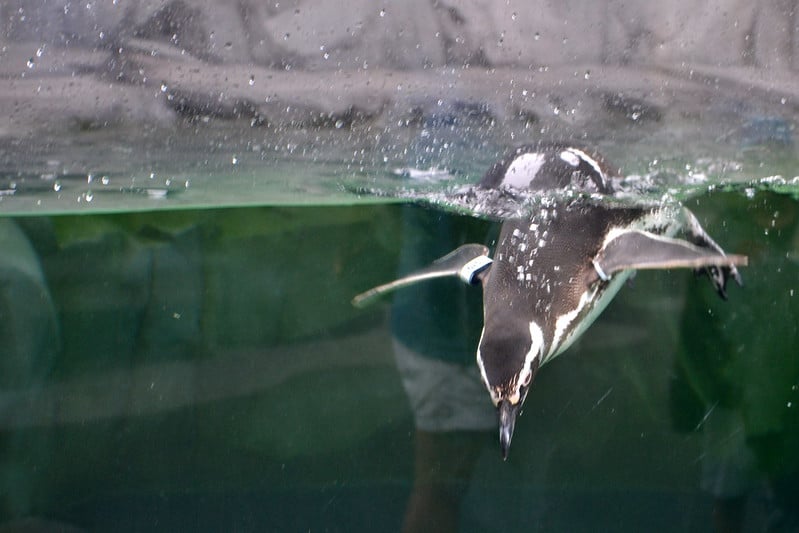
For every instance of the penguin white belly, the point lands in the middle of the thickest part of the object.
(570, 326)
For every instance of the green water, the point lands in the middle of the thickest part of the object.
(190, 360)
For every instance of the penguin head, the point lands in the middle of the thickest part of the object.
(549, 166)
(509, 355)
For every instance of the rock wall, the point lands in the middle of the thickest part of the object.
(413, 34)
(153, 60)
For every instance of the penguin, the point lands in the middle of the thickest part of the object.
(555, 270)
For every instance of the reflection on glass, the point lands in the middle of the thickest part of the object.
(435, 329)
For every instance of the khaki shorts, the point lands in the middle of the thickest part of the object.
(444, 396)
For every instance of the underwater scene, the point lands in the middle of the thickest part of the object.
(181, 351)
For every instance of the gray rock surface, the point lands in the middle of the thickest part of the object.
(65, 64)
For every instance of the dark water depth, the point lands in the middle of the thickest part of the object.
(203, 370)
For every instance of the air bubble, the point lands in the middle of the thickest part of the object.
(157, 193)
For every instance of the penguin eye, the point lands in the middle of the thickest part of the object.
(527, 379)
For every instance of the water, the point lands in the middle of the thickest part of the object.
(188, 360)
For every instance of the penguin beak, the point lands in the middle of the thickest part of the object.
(507, 421)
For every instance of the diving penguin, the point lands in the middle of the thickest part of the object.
(554, 271)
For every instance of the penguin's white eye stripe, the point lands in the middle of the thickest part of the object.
(536, 346)
(573, 156)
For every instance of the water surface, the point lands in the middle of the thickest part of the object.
(180, 352)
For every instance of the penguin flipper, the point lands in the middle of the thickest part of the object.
(696, 234)
(637, 249)
(467, 262)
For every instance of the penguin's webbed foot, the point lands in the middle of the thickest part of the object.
(719, 276)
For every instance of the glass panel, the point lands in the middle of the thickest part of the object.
(191, 194)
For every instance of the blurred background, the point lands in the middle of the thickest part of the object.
(191, 192)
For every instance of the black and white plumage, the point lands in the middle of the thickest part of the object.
(554, 271)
